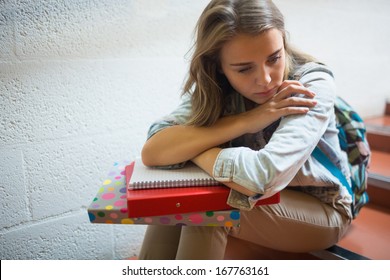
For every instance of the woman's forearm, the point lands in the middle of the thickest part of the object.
(181, 143)
(206, 161)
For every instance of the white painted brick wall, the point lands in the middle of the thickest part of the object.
(81, 81)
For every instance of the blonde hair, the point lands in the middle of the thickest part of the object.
(220, 21)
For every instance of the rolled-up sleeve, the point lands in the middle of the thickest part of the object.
(269, 170)
(179, 116)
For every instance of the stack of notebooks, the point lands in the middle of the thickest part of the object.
(156, 192)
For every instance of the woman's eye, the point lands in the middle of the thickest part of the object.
(243, 70)
(274, 59)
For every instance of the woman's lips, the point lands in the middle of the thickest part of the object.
(265, 93)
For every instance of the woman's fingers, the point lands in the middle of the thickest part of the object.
(289, 88)
(286, 83)
(295, 102)
(293, 98)
(293, 110)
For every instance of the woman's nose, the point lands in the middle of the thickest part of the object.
(263, 77)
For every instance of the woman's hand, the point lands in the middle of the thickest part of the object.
(285, 102)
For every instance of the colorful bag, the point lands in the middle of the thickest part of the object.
(352, 137)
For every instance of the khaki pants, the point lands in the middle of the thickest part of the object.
(299, 223)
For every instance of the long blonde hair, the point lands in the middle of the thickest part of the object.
(220, 21)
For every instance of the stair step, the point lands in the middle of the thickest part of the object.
(378, 133)
(379, 141)
(368, 235)
(378, 196)
(379, 179)
(380, 163)
(378, 122)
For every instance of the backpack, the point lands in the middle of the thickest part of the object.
(352, 137)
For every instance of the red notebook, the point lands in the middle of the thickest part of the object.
(176, 200)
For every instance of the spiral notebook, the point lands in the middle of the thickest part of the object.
(190, 175)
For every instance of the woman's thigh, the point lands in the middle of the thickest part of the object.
(299, 223)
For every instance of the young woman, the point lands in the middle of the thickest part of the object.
(253, 110)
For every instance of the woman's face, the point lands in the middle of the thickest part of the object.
(254, 65)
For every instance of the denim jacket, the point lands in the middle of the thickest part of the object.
(267, 166)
